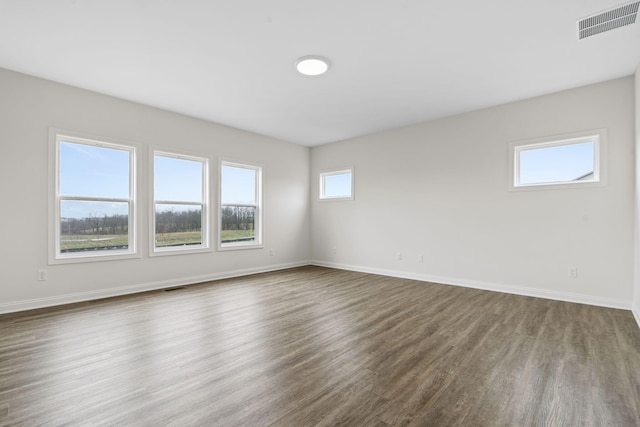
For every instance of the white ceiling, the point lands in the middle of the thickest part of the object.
(393, 62)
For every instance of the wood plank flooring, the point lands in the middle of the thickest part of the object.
(315, 346)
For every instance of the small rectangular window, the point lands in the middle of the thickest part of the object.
(337, 184)
(180, 203)
(558, 162)
(240, 205)
(93, 199)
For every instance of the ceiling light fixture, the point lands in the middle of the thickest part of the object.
(312, 65)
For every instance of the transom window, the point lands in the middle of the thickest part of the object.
(336, 184)
(180, 202)
(94, 199)
(240, 205)
(563, 162)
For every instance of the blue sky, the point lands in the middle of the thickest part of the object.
(82, 209)
(238, 185)
(556, 164)
(338, 185)
(91, 171)
(177, 180)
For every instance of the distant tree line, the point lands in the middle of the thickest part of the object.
(95, 225)
(175, 222)
(233, 218)
(238, 217)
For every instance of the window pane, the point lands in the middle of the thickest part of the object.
(238, 224)
(178, 225)
(93, 226)
(177, 180)
(238, 185)
(91, 171)
(562, 163)
(337, 185)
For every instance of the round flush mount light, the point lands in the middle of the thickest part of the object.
(312, 65)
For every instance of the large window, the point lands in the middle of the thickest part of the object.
(558, 162)
(94, 199)
(180, 203)
(240, 206)
(336, 185)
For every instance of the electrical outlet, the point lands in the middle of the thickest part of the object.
(573, 272)
(335, 250)
(42, 275)
(420, 258)
(399, 256)
(271, 252)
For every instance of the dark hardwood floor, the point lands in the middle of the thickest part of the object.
(314, 346)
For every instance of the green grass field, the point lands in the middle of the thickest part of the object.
(227, 235)
(179, 238)
(78, 242)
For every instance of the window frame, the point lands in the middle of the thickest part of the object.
(341, 171)
(56, 136)
(205, 204)
(597, 136)
(257, 243)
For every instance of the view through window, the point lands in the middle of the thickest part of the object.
(336, 184)
(180, 202)
(571, 161)
(240, 205)
(94, 198)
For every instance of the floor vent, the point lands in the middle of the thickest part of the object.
(608, 20)
(174, 289)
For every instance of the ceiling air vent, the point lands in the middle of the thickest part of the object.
(608, 20)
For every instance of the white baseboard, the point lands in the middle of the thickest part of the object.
(11, 307)
(636, 313)
(509, 289)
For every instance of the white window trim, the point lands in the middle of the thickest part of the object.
(54, 255)
(331, 172)
(598, 136)
(257, 244)
(206, 205)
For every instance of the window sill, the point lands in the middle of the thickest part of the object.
(239, 247)
(336, 199)
(557, 186)
(93, 257)
(178, 251)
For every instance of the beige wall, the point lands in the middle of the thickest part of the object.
(29, 106)
(439, 190)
